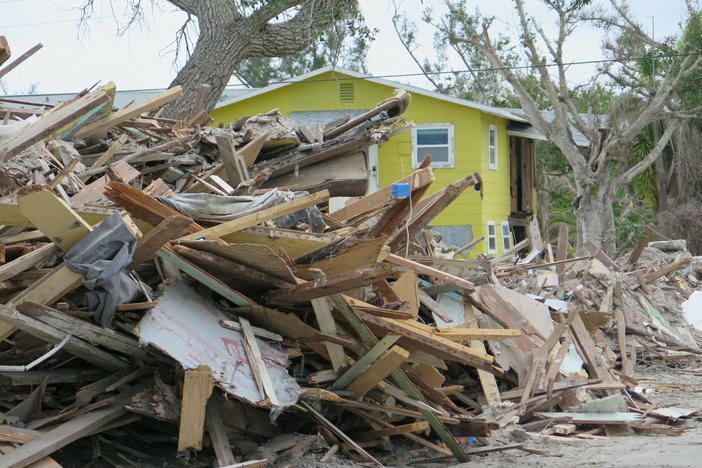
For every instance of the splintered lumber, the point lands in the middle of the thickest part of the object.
(228, 154)
(18, 60)
(197, 388)
(258, 367)
(51, 335)
(420, 178)
(130, 112)
(327, 285)
(218, 432)
(59, 117)
(487, 334)
(429, 271)
(27, 261)
(111, 151)
(366, 360)
(325, 320)
(63, 434)
(83, 329)
(674, 266)
(204, 277)
(261, 216)
(141, 205)
(638, 250)
(259, 332)
(147, 245)
(388, 362)
(407, 289)
(339, 433)
(487, 380)
(400, 378)
(95, 190)
(416, 338)
(594, 360)
(54, 217)
(51, 287)
(395, 430)
(435, 308)
(427, 209)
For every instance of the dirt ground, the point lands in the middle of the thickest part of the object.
(668, 387)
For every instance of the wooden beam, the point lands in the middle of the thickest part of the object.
(12, 65)
(487, 380)
(326, 285)
(366, 360)
(168, 229)
(643, 242)
(429, 271)
(388, 362)
(253, 219)
(227, 153)
(420, 178)
(95, 190)
(218, 432)
(258, 367)
(396, 430)
(327, 325)
(485, 334)
(58, 118)
(51, 335)
(84, 330)
(63, 434)
(27, 261)
(197, 388)
(111, 151)
(5, 52)
(130, 111)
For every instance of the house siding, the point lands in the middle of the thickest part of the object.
(395, 156)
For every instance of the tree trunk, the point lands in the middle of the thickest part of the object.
(595, 218)
(218, 51)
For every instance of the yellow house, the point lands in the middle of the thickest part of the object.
(462, 136)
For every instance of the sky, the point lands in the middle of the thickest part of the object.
(143, 57)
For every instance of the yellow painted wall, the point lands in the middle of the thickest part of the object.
(470, 136)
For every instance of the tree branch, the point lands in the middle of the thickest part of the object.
(645, 163)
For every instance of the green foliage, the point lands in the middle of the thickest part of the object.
(345, 45)
(630, 220)
(644, 184)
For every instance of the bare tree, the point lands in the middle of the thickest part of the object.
(598, 170)
(231, 31)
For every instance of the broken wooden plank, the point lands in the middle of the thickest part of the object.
(51, 335)
(62, 435)
(253, 354)
(388, 362)
(197, 388)
(27, 261)
(129, 112)
(326, 323)
(58, 118)
(261, 216)
(147, 245)
(429, 271)
(326, 285)
(16, 62)
(592, 418)
(94, 191)
(396, 430)
(259, 332)
(218, 432)
(562, 248)
(364, 362)
(54, 217)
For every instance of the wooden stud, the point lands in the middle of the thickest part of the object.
(366, 360)
(325, 320)
(197, 388)
(258, 367)
(388, 362)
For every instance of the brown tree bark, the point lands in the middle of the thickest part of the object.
(227, 37)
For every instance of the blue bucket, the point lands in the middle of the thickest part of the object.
(400, 190)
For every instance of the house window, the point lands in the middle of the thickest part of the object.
(506, 235)
(435, 139)
(491, 237)
(492, 146)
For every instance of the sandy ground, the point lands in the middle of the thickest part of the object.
(669, 388)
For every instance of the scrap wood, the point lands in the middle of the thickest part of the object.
(261, 216)
(16, 62)
(429, 271)
(197, 388)
(327, 285)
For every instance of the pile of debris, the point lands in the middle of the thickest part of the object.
(163, 280)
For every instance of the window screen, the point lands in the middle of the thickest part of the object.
(434, 140)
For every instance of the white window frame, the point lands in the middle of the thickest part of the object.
(451, 145)
(493, 164)
(508, 237)
(493, 237)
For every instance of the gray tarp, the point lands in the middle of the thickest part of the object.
(101, 258)
(219, 208)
